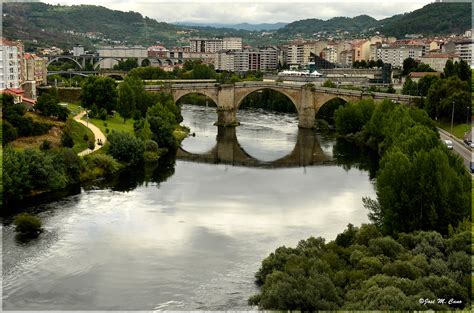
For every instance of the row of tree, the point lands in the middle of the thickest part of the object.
(423, 193)
(446, 94)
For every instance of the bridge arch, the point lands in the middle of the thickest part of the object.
(96, 64)
(211, 94)
(323, 98)
(242, 93)
(64, 57)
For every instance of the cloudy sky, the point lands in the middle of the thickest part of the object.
(255, 11)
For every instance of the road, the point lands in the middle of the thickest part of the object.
(98, 134)
(459, 147)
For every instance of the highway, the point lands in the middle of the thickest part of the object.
(459, 147)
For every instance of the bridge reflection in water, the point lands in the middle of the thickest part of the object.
(307, 151)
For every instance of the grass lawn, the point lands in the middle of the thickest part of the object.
(458, 130)
(74, 108)
(113, 123)
(78, 131)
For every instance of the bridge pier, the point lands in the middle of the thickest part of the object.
(226, 117)
(306, 117)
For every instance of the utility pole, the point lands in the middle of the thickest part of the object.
(452, 118)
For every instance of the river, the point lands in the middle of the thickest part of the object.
(191, 233)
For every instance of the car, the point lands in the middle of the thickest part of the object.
(449, 144)
(471, 144)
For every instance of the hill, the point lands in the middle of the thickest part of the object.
(241, 26)
(87, 24)
(40, 24)
(308, 27)
(432, 19)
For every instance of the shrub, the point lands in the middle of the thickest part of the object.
(125, 147)
(45, 145)
(86, 138)
(103, 114)
(91, 144)
(104, 163)
(27, 224)
(107, 130)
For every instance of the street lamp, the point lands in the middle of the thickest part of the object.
(452, 118)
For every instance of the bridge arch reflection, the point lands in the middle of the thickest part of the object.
(307, 151)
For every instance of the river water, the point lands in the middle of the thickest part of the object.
(191, 233)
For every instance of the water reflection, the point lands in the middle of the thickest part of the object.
(182, 235)
(227, 150)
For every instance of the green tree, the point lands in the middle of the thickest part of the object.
(99, 91)
(409, 65)
(126, 100)
(446, 93)
(124, 147)
(410, 87)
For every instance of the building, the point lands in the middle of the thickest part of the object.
(263, 59)
(10, 66)
(232, 43)
(361, 49)
(18, 96)
(395, 54)
(112, 55)
(215, 44)
(78, 50)
(35, 68)
(437, 61)
(225, 60)
(269, 58)
(464, 49)
(416, 76)
(158, 52)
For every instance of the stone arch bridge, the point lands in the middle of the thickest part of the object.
(307, 152)
(308, 99)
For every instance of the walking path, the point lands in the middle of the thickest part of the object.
(98, 134)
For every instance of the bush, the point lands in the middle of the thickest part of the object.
(86, 138)
(27, 225)
(106, 163)
(107, 130)
(91, 144)
(45, 145)
(125, 147)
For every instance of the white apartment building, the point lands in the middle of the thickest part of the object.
(395, 54)
(268, 58)
(215, 44)
(225, 61)
(232, 43)
(10, 66)
(437, 61)
(464, 50)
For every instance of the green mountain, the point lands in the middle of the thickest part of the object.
(40, 24)
(66, 25)
(432, 19)
(308, 27)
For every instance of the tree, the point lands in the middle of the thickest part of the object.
(126, 100)
(125, 147)
(421, 191)
(449, 69)
(127, 65)
(99, 91)
(409, 64)
(446, 93)
(425, 83)
(410, 87)
(329, 84)
(352, 117)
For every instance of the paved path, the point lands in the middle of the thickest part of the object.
(98, 134)
(458, 146)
